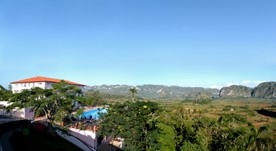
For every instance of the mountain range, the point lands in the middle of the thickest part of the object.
(263, 90)
(149, 91)
(159, 91)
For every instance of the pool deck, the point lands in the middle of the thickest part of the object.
(88, 108)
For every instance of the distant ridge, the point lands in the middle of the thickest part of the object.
(235, 91)
(150, 91)
(263, 90)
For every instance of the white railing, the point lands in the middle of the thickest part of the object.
(74, 140)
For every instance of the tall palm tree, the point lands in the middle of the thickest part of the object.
(133, 91)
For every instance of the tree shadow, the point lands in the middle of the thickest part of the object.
(267, 113)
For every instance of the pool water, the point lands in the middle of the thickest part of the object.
(94, 113)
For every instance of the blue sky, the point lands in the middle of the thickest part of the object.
(208, 43)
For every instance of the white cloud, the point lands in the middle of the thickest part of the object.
(215, 86)
(230, 83)
(248, 83)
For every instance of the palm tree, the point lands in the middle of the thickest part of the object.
(133, 91)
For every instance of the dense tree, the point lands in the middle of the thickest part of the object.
(37, 100)
(229, 138)
(19, 100)
(166, 137)
(258, 138)
(4, 94)
(63, 96)
(135, 122)
(55, 103)
(187, 130)
(92, 98)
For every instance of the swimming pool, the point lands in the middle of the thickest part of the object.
(93, 113)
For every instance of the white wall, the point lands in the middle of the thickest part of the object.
(18, 87)
(25, 113)
(18, 113)
(87, 136)
(4, 103)
(28, 114)
(75, 141)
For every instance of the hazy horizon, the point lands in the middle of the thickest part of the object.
(250, 84)
(247, 83)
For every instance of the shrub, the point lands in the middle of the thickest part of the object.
(244, 107)
(232, 118)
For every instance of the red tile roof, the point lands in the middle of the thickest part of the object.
(45, 79)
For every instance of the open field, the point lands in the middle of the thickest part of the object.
(253, 109)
